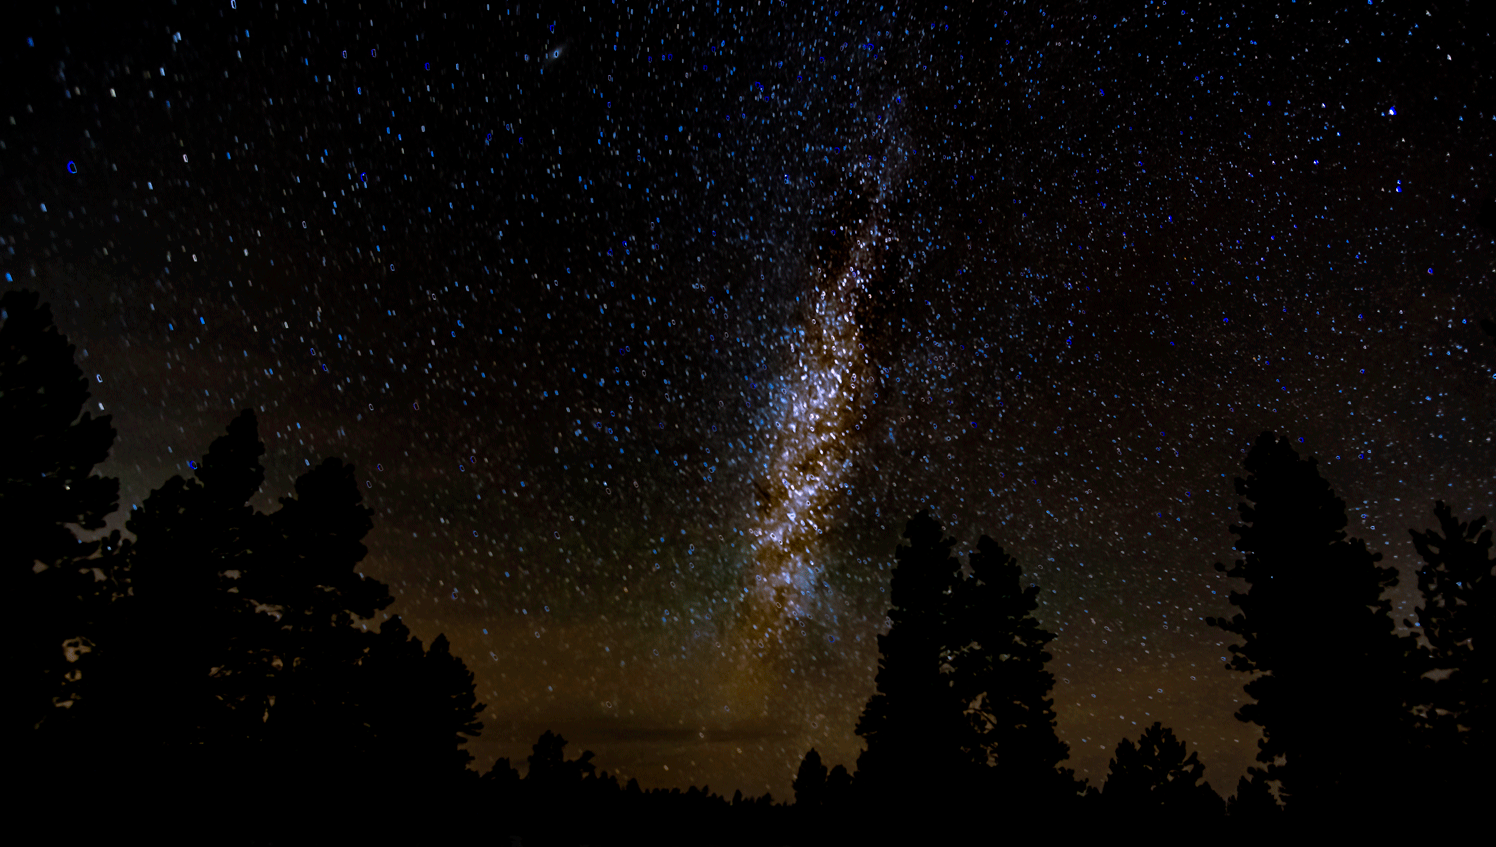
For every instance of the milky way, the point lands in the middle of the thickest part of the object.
(807, 464)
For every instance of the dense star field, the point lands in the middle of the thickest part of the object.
(647, 328)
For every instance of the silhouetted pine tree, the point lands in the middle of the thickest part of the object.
(346, 699)
(382, 722)
(316, 543)
(46, 485)
(306, 574)
(553, 791)
(810, 783)
(420, 706)
(999, 674)
(315, 662)
(838, 794)
(812, 811)
(1154, 780)
(550, 767)
(182, 636)
(1317, 634)
(1253, 805)
(1458, 615)
(503, 774)
(911, 725)
(180, 633)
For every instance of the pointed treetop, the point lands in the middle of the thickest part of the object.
(1286, 497)
(990, 563)
(810, 781)
(231, 471)
(46, 471)
(924, 570)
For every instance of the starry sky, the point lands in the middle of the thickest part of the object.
(648, 327)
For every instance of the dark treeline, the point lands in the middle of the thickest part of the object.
(208, 678)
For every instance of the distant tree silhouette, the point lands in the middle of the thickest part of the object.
(1458, 615)
(1253, 805)
(380, 723)
(998, 674)
(550, 767)
(503, 775)
(553, 789)
(420, 705)
(810, 782)
(815, 808)
(1154, 780)
(46, 485)
(912, 724)
(1317, 635)
(565, 802)
(838, 791)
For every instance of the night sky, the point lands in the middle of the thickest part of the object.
(647, 328)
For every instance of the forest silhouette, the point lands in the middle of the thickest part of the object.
(207, 678)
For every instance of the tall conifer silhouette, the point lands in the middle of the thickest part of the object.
(838, 796)
(911, 725)
(184, 635)
(998, 673)
(304, 575)
(810, 782)
(47, 486)
(1317, 636)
